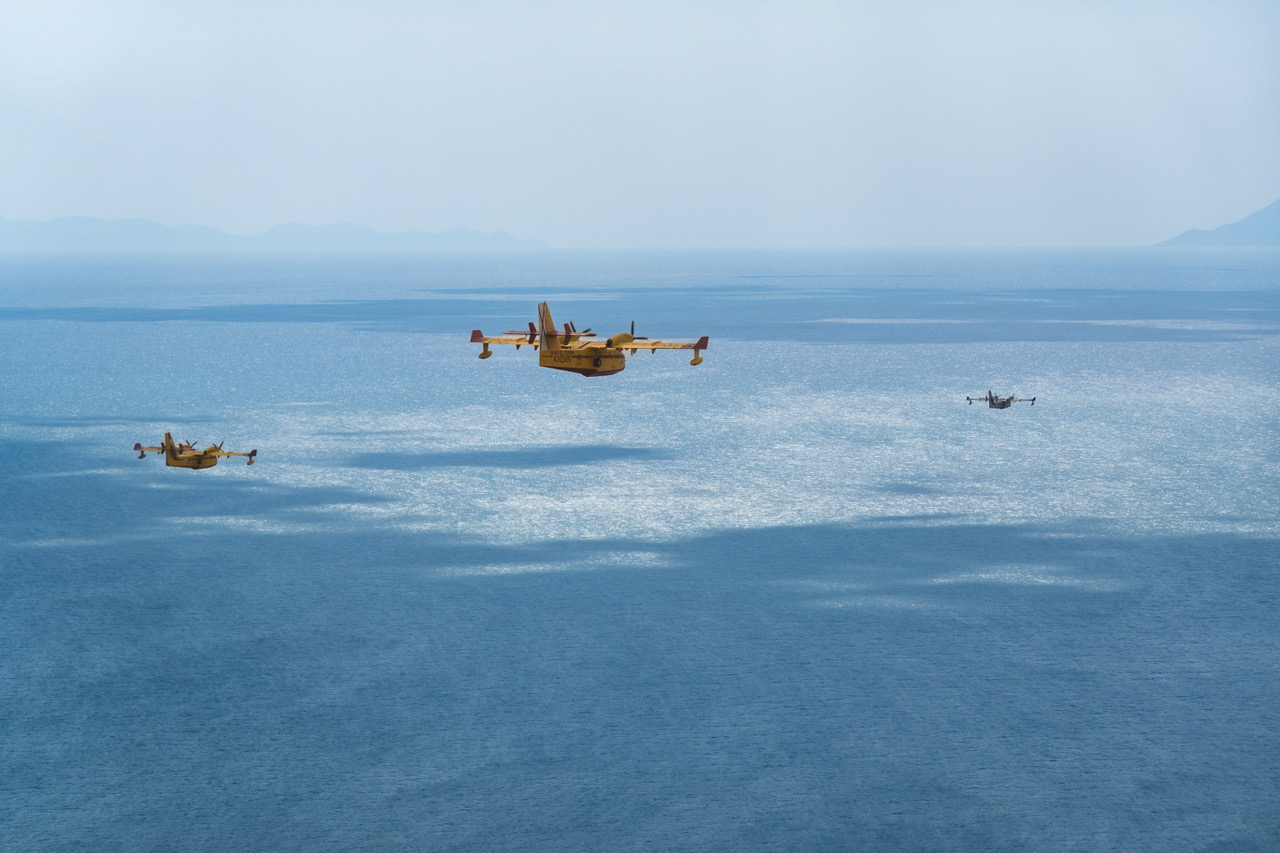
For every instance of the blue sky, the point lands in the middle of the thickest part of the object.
(656, 124)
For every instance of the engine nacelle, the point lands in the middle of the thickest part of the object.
(619, 340)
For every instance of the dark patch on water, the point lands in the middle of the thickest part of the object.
(524, 459)
(908, 489)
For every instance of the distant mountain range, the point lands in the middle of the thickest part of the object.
(82, 233)
(1256, 229)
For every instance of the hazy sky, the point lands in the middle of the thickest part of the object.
(646, 124)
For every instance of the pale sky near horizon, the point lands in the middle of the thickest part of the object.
(649, 124)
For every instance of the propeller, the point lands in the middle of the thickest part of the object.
(633, 333)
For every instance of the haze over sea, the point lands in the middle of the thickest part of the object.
(800, 597)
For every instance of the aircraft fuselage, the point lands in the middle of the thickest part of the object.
(586, 362)
(195, 460)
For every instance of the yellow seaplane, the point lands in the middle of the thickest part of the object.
(571, 350)
(994, 402)
(187, 456)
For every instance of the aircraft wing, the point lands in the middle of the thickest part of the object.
(636, 344)
(478, 337)
(216, 452)
(141, 449)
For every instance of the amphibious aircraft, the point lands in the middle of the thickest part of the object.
(571, 350)
(186, 455)
(994, 402)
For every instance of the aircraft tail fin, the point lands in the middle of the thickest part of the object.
(170, 449)
(546, 328)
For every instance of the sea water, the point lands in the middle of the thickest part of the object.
(800, 597)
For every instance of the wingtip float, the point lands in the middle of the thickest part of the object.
(996, 402)
(185, 454)
(571, 350)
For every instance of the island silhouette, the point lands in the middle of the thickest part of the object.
(1261, 228)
